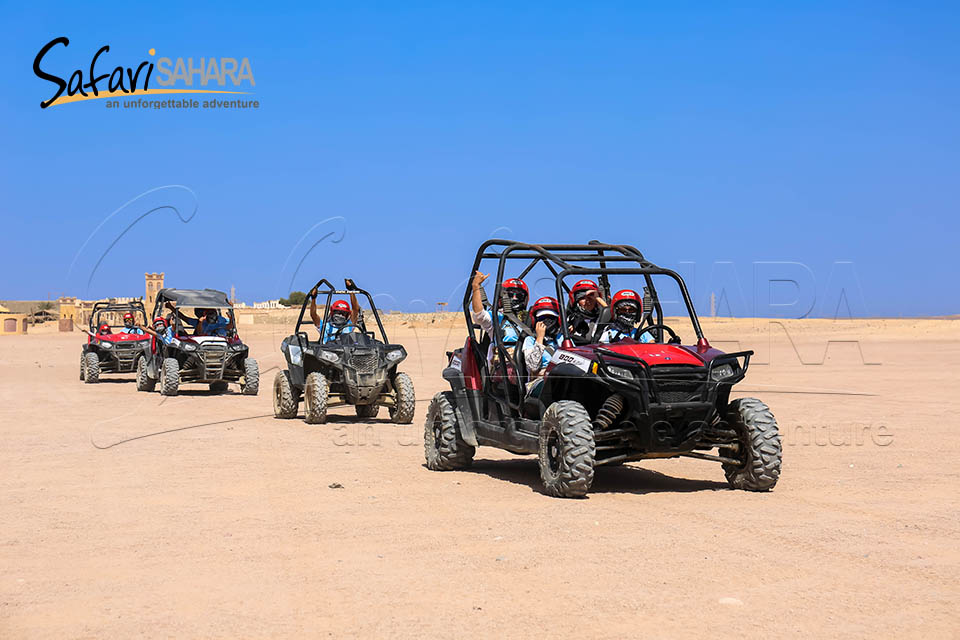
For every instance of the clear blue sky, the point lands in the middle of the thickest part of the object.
(700, 132)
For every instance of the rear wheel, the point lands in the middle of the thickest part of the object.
(83, 365)
(567, 450)
(760, 449)
(443, 447)
(170, 377)
(406, 403)
(92, 373)
(367, 410)
(144, 381)
(251, 378)
(284, 397)
(315, 393)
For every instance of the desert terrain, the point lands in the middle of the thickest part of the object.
(127, 514)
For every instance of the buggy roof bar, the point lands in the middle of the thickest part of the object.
(570, 259)
(331, 291)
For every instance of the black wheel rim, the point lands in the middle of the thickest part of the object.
(437, 432)
(554, 457)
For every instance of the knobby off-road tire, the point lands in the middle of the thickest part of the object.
(219, 386)
(170, 377)
(367, 410)
(285, 399)
(251, 378)
(315, 393)
(144, 382)
(92, 373)
(406, 405)
(83, 366)
(760, 447)
(567, 450)
(443, 447)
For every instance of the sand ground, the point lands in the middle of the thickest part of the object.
(125, 514)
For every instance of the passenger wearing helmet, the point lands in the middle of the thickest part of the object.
(211, 323)
(343, 317)
(129, 326)
(584, 309)
(537, 351)
(627, 312)
(105, 330)
(515, 294)
(161, 330)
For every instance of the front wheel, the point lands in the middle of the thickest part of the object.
(406, 402)
(83, 366)
(567, 450)
(251, 378)
(170, 376)
(144, 381)
(443, 447)
(315, 394)
(284, 397)
(92, 373)
(760, 450)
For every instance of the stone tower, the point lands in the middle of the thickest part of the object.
(154, 282)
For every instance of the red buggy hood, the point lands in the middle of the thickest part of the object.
(654, 354)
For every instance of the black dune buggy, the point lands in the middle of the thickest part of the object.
(215, 360)
(355, 368)
(599, 404)
(117, 351)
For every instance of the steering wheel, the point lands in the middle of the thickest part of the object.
(674, 338)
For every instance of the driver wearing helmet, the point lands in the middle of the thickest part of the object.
(343, 317)
(130, 326)
(627, 311)
(585, 307)
(161, 330)
(515, 294)
(537, 351)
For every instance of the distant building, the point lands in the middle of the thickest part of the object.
(13, 323)
(270, 304)
(153, 284)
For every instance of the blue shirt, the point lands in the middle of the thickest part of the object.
(329, 332)
(613, 333)
(216, 328)
(167, 336)
(136, 331)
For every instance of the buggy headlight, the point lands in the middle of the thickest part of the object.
(236, 347)
(106, 345)
(722, 372)
(393, 356)
(329, 356)
(620, 372)
(189, 346)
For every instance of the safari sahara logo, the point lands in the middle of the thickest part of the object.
(165, 76)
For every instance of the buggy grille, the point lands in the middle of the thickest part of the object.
(364, 361)
(126, 354)
(680, 384)
(213, 357)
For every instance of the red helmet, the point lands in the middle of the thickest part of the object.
(339, 313)
(104, 328)
(128, 315)
(545, 306)
(623, 300)
(580, 288)
(516, 290)
(161, 320)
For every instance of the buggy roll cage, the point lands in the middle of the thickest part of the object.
(116, 307)
(561, 260)
(331, 291)
(177, 324)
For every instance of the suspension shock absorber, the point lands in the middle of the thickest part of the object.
(611, 408)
